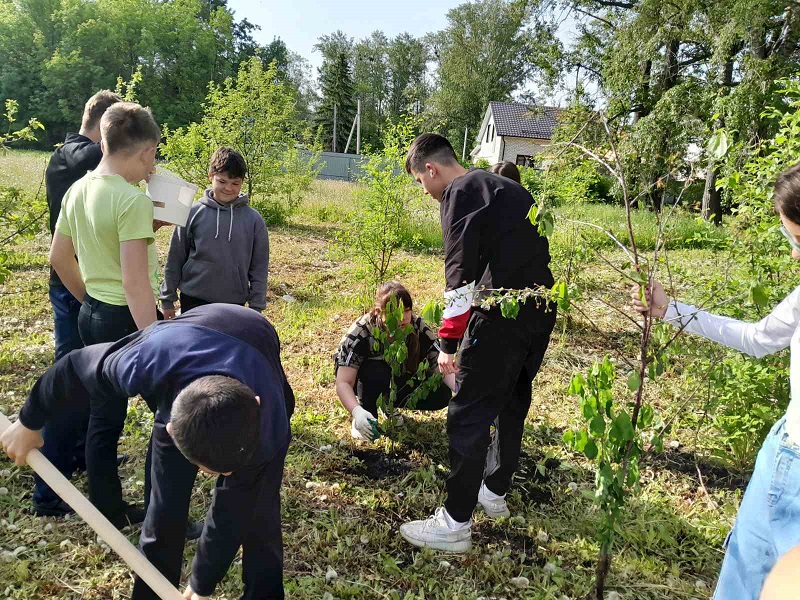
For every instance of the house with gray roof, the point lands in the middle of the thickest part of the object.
(515, 132)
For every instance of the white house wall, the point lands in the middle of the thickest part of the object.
(489, 150)
(516, 145)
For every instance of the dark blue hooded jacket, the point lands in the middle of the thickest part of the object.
(159, 361)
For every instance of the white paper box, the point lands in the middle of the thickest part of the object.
(172, 198)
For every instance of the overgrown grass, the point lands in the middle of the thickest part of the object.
(23, 168)
(342, 506)
(332, 202)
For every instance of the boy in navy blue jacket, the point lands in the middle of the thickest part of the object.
(222, 405)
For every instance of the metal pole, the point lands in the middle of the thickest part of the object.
(350, 137)
(333, 146)
(464, 151)
(358, 127)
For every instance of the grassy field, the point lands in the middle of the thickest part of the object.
(342, 506)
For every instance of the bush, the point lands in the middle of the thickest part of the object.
(382, 206)
(579, 183)
(256, 115)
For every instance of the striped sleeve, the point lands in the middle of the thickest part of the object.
(457, 309)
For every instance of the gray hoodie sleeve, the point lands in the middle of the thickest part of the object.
(176, 258)
(259, 266)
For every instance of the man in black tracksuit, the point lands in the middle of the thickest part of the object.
(79, 153)
(489, 245)
(160, 363)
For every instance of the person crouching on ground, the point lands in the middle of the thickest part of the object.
(362, 373)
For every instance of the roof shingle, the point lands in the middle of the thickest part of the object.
(523, 120)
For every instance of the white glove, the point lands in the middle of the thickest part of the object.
(365, 424)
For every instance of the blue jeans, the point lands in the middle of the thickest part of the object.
(65, 320)
(768, 522)
(64, 438)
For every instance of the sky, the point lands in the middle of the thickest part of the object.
(300, 22)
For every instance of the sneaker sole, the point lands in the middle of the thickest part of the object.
(493, 514)
(463, 546)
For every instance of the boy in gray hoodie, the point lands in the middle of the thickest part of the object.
(222, 255)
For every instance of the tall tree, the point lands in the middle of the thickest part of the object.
(336, 83)
(371, 78)
(482, 55)
(407, 62)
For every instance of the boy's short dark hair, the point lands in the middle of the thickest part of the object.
(787, 193)
(126, 125)
(96, 106)
(227, 160)
(507, 169)
(427, 147)
(216, 424)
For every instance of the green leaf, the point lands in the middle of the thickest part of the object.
(576, 385)
(561, 294)
(646, 416)
(432, 312)
(622, 424)
(588, 407)
(581, 439)
(546, 224)
(509, 308)
(717, 145)
(658, 442)
(590, 450)
(568, 438)
(758, 296)
(598, 426)
(533, 213)
(634, 381)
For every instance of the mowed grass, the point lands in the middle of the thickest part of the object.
(342, 505)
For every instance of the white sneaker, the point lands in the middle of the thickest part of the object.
(434, 532)
(494, 508)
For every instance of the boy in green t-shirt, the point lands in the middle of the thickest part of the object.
(106, 221)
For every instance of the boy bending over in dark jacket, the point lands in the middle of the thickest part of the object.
(222, 406)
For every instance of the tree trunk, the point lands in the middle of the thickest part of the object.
(601, 571)
(669, 78)
(712, 197)
(643, 97)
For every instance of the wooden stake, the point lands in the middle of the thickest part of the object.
(97, 521)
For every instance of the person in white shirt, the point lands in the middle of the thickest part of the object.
(768, 522)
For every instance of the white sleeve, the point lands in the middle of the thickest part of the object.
(770, 334)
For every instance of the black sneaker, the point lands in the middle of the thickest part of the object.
(131, 515)
(52, 508)
(194, 530)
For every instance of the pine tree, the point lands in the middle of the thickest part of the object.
(336, 81)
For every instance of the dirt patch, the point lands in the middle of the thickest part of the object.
(714, 476)
(531, 481)
(377, 465)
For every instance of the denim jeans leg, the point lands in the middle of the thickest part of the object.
(784, 497)
(65, 320)
(751, 551)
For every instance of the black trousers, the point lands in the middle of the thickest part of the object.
(373, 380)
(100, 322)
(498, 360)
(189, 302)
(254, 490)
